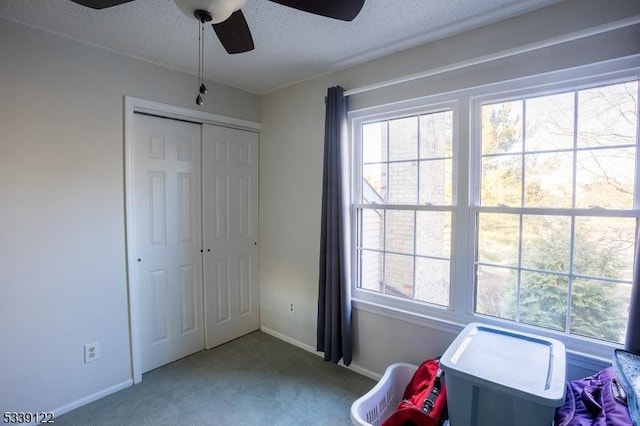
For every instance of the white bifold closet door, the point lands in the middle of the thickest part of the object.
(230, 229)
(195, 216)
(168, 234)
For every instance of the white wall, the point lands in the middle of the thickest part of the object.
(291, 162)
(62, 236)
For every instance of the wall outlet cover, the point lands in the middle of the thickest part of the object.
(91, 352)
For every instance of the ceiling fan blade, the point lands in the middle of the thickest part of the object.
(100, 4)
(345, 10)
(234, 33)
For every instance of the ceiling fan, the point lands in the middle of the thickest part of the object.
(228, 20)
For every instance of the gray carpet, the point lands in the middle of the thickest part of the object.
(254, 380)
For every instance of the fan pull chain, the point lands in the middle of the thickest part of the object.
(203, 88)
(203, 17)
(200, 27)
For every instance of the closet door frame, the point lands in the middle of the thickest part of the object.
(132, 106)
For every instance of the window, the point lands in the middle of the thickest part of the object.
(404, 207)
(529, 220)
(555, 221)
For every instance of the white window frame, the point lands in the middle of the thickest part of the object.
(357, 180)
(466, 126)
(397, 304)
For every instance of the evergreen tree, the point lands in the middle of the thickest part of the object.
(597, 308)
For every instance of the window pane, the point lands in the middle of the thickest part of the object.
(549, 122)
(371, 229)
(498, 238)
(374, 142)
(403, 139)
(374, 183)
(605, 178)
(432, 281)
(604, 247)
(608, 115)
(495, 291)
(501, 181)
(600, 309)
(545, 244)
(435, 182)
(502, 127)
(543, 300)
(403, 183)
(398, 275)
(399, 231)
(548, 180)
(433, 234)
(371, 270)
(436, 135)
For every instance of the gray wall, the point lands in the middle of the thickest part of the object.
(62, 236)
(291, 163)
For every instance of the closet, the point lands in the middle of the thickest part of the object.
(194, 190)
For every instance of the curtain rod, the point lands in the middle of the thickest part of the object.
(610, 26)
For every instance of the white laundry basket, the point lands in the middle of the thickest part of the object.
(382, 400)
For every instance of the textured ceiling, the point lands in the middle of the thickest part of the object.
(291, 46)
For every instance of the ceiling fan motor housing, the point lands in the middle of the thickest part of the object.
(220, 10)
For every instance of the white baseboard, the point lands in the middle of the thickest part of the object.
(93, 397)
(353, 366)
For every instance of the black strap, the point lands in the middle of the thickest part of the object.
(430, 402)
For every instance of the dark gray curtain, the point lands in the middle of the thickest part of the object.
(633, 326)
(334, 290)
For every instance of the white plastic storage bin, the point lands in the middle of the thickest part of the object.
(496, 377)
(381, 401)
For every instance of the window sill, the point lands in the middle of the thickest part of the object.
(580, 353)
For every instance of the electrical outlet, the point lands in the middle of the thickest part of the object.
(91, 352)
(292, 307)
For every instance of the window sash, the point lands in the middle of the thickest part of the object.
(518, 121)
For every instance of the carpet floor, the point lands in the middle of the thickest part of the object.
(254, 380)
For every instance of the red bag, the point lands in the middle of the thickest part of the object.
(425, 398)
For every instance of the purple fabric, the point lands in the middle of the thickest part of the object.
(591, 402)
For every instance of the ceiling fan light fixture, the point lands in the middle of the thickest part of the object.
(230, 25)
(220, 10)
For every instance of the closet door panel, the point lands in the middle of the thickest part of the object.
(168, 239)
(230, 217)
